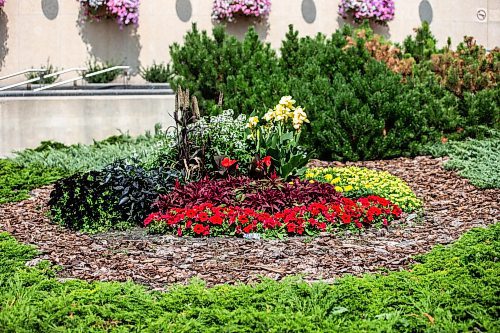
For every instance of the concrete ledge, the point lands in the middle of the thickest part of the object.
(26, 121)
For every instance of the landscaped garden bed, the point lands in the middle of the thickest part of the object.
(234, 196)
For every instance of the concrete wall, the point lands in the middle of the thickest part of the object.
(35, 31)
(26, 121)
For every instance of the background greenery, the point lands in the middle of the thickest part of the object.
(359, 107)
(454, 289)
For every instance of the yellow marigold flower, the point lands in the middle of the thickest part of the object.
(379, 183)
(338, 189)
(335, 181)
(312, 181)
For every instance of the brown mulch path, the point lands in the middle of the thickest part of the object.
(452, 206)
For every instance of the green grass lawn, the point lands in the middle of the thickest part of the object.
(454, 289)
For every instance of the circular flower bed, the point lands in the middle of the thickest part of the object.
(229, 10)
(125, 12)
(380, 11)
(218, 197)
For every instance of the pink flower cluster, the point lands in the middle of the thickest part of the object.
(228, 10)
(125, 12)
(381, 11)
(2, 2)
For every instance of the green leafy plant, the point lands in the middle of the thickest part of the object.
(47, 70)
(94, 66)
(225, 136)
(137, 188)
(119, 196)
(279, 137)
(156, 73)
(16, 181)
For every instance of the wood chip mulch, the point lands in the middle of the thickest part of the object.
(452, 206)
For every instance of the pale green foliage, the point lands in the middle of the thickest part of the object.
(83, 158)
(476, 160)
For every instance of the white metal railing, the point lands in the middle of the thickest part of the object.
(21, 83)
(57, 74)
(107, 70)
(74, 69)
(35, 70)
(82, 77)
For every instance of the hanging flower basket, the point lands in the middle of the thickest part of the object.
(125, 12)
(379, 11)
(230, 10)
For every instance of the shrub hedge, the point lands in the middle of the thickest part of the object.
(358, 107)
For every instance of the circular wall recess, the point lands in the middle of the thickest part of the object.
(184, 10)
(50, 8)
(309, 11)
(425, 11)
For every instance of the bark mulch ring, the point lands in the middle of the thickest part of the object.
(452, 206)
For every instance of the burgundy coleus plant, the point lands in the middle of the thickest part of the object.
(269, 195)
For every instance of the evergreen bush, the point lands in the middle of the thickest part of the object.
(358, 107)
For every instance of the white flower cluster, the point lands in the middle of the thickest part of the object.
(94, 3)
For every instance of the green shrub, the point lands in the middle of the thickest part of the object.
(476, 160)
(422, 46)
(245, 72)
(455, 289)
(156, 73)
(16, 181)
(481, 111)
(47, 70)
(117, 197)
(358, 108)
(93, 66)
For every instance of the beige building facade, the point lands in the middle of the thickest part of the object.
(34, 32)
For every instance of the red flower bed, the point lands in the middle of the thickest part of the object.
(267, 195)
(210, 220)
